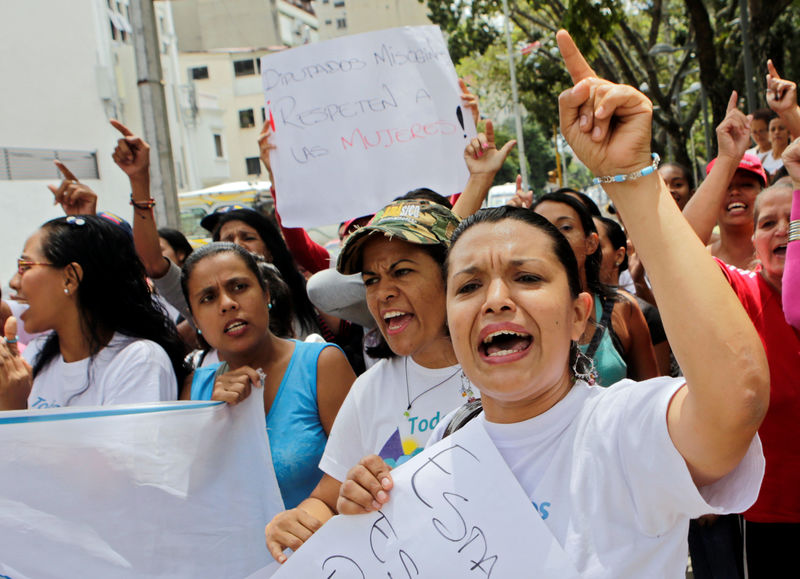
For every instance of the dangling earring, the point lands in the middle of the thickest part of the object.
(466, 388)
(269, 306)
(583, 368)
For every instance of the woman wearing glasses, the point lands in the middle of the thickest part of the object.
(106, 342)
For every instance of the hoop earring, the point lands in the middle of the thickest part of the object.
(583, 368)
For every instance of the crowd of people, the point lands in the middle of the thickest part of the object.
(639, 367)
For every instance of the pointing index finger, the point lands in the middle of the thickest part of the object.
(64, 171)
(576, 65)
(121, 128)
(771, 69)
(732, 101)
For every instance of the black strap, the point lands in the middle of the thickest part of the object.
(605, 322)
(463, 415)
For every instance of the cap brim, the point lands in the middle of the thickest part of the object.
(209, 222)
(349, 258)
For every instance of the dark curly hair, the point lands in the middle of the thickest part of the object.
(113, 295)
(281, 258)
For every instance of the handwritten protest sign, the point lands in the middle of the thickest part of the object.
(361, 119)
(456, 510)
(169, 490)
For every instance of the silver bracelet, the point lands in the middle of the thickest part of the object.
(794, 230)
(630, 176)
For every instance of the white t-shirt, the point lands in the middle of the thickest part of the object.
(373, 419)
(126, 371)
(771, 164)
(604, 475)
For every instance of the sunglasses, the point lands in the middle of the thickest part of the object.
(24, 265)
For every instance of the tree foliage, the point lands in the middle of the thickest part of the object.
(667, 48)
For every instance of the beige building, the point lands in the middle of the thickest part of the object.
(342, 17)
(226, 84)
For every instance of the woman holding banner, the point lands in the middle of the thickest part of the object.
(623, 468)
(303, 383)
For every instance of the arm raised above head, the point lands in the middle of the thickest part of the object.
(713, 419)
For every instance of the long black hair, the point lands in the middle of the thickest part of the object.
(177, 241)
(592, 263)
(283, 260)
(113, 295)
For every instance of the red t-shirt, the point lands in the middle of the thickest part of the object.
(779, 499)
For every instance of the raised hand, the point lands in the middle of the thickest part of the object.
(73, 196)
(791, 160)
(132, 154)
(16, 375)
(470, 100)
(264, 147)
(733, 133)
(482, 155)
(366, 488)
(521, 198)
(781, 93)
(586, 112)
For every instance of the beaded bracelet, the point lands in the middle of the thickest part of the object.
(794, 230)
(146, 204)
(630, 176)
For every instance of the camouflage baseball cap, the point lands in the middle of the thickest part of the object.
(415, 221)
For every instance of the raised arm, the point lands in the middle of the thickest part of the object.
(483, 160)
(306, 252)
(713, 418)
(791, 270)
(75, 198)
(733, 137)
(782, 98)
(132, 155)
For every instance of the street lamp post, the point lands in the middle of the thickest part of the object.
(523, 167)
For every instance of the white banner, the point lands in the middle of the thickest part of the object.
(456, 510)
(168, 490)
(361, 119)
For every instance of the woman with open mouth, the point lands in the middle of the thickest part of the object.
(394, 406)
(622, 468)
(104, 340)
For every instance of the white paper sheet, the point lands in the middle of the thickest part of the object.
(178, 489)
(361, 119)
(456, 510)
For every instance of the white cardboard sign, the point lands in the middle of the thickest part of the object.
(361, 119)
(160, 491)
(456, 510)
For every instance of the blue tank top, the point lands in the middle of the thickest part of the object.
(296, 436)
(610, 366)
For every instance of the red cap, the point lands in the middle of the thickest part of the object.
(749, 163)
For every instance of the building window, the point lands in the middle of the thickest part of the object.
(328, 23)
(263, 116)
(244, 67)
(341, 23)
(199, 72)
(253, 165)
(247, 119)
(113, 30)
(338, 4)
(218, 146)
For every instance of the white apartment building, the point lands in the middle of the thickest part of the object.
(69, 67)
(223, 70)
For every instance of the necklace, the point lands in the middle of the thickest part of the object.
(466, 389)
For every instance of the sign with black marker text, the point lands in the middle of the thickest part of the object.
(456, 510)
(361, 119)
